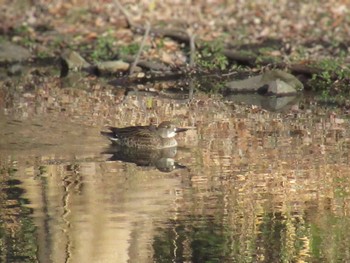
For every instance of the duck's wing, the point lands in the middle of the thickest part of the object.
(135, 136)
(132, 131)
(115, 133)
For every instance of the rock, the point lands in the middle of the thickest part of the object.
(274, 82)
(150, 65)
(280, 88)
(73, 60)
(112, 66)
(251, 84)
(140, 75)
(289, 79)
(10, 52)
(15, 70)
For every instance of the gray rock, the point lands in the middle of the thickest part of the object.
(274, 82)
(73, 60)
(15, 70)
(10, 52)
(281, 88)
(251, 84)
(289, 79)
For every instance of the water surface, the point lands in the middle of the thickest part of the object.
(251, 185)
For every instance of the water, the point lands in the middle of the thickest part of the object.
(251, 185)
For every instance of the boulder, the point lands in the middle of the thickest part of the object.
(10, 52)
(274, 82)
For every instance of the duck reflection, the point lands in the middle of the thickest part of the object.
(161, 159)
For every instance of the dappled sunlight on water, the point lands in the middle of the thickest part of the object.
(251, 185)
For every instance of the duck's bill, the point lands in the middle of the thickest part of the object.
(181, 130)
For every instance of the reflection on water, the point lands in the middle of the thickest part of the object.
(248, 185)
(162, 159)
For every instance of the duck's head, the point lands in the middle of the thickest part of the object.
(167, 129)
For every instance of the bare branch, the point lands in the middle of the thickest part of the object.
(192, 47)
(125, 13)
(148, 28)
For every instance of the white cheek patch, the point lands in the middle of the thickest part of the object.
(171, 134)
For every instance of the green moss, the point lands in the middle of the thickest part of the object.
(210, 56)
(334, 77)
(21, 30)
(130, 49)
(103, 47)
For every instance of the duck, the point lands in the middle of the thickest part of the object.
(145, 137)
